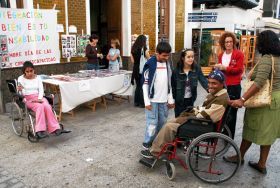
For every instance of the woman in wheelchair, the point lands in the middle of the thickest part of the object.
(213, 109)
(31, 87)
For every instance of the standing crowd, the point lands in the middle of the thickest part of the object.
(160, 87)
(164, 88)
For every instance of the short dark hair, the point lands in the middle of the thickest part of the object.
(92, 37)
(268, 43)
(27, 64)
(163, 47)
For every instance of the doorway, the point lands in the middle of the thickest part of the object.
(105, 16)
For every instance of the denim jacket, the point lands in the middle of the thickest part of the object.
(179, 79)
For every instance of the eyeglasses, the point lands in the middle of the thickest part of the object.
(228, 41)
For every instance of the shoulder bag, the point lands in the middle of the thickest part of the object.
(263, 97)
(143, 60)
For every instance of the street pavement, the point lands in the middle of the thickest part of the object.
(103, 151)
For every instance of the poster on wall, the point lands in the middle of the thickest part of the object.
(68, 43)
(82, 42)
(30, 35)
(4, 55)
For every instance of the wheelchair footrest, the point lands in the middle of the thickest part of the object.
(66, 131)
(148, 162)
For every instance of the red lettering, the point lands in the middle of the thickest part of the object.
(29, 26)
(3, 26)
(9, 14)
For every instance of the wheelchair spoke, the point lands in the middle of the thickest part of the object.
(206, 161)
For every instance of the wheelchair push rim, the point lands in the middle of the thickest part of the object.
(17, 119)
(212, 169)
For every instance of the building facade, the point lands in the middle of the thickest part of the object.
(159, 19)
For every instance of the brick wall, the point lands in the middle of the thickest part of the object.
(76, 16)
(179, 25)
(149, 21)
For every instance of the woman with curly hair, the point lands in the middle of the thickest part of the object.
(261, 125)
(138, 48)
(231, 63)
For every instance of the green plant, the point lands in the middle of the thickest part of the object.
(206, 49)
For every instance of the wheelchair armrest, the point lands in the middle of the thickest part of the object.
(50, 99)
(203, 121)
(19, 96)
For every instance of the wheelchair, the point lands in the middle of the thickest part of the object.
(23, 119)
(204, 144)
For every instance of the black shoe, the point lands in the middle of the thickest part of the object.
(146, 146)
(257, 167)
(41, 134)
(147, 154)
(57, 132)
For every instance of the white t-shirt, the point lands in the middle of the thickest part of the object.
(226, 59)
(160, 87)
(188, 93)
(161, 84)
(31, 86)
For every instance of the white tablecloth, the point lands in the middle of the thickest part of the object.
(75, 93)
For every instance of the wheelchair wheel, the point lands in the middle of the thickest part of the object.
(170, 170)
(212, 169)
(17, 119)
(31, 137)
(30, 123)
(221, 146)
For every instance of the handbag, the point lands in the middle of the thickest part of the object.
(263, 97)
(143, 60)
(120, 61)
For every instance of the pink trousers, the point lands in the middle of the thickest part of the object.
(45, 118)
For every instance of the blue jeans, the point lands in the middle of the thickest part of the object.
(155, 119)
(91, 66)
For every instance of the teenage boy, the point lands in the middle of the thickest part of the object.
(157, 91)
(213, 109)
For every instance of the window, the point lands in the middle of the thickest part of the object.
(11, 3)
(5, 3)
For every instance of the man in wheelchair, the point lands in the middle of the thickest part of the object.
(31, 87)
(213, 109)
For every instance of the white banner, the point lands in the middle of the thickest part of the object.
(28, 35)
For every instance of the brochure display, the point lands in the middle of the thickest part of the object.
(82, 42)
(68, 43)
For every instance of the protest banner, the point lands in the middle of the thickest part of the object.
(28, 35)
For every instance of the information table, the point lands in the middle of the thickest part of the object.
(74, 90)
